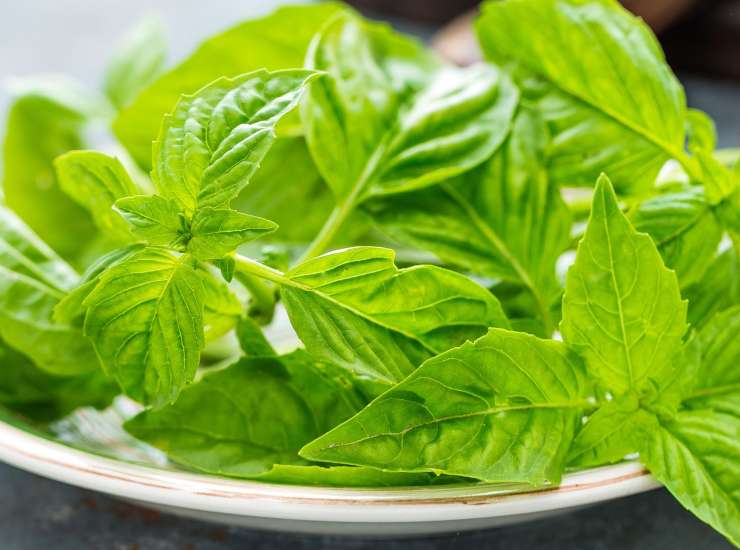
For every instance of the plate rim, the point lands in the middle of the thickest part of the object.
(149, 484)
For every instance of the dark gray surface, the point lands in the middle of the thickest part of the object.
(38, 513)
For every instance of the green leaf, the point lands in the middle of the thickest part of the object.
(696, 456)
(95, 181)
(145, 320)
(251, 45)
(154, 219)
(215, 232)
(252, 340)
(700, 130)
(388, 119)
(138, 61)
(610, 100)
(212, 143)
(354, 308)
(622, 308)
(45, 121)
(243, 420)
(42, 397)
(502, 220)
(611, 433)
(503, 408)
(685, 229)
(718, 383)
(32, 280)
(717, 290)
(719, 181)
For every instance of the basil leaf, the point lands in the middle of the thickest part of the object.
(212, 143)
(354, 308)
(610, 100)
(502, 220)
(223, 54)
(252, 340)
(45, 120)
(387, 119)
(463, 412)
(32, 280)
(717, 290)
(696, 456)
(718, 383)
(95, 181)
(700, 130)
(684, 228)
(155, 219)
(622, 308)
(611, 433)
(145, 320)
(242, 420)
(43, 397)
(216, 232)
(138, 61)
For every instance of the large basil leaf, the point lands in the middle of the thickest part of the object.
(684, 228)
(243, 420)
(504, 408)
(354, 308)
(42, 397)
(388, 119)
(610, 100)
(256, 44)
(32, 280)
(622, 308)
(95, 180)
(138, 61)
(502, 220)
(717, 290)
(212, 143)
(145, 319)
(696, 456)
(46, 120)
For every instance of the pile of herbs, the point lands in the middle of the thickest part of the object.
(306, 163)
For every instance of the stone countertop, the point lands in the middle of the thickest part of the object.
(39, 513)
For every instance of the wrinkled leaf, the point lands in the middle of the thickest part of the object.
(215, 232)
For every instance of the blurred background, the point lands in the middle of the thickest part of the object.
(76, 37)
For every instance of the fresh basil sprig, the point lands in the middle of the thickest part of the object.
(412, 374)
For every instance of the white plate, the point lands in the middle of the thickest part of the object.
(141, 474)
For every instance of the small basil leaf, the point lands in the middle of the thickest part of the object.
(252, 340)
(685, 229)
(716, 291)
(700, 130)
(95, 180)
(213, 142)
(145, 320)
(222, 309)
(215, 232)
(154, 219)
(463, 412)
(354, 308)
(137, 63)
(622, 308)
